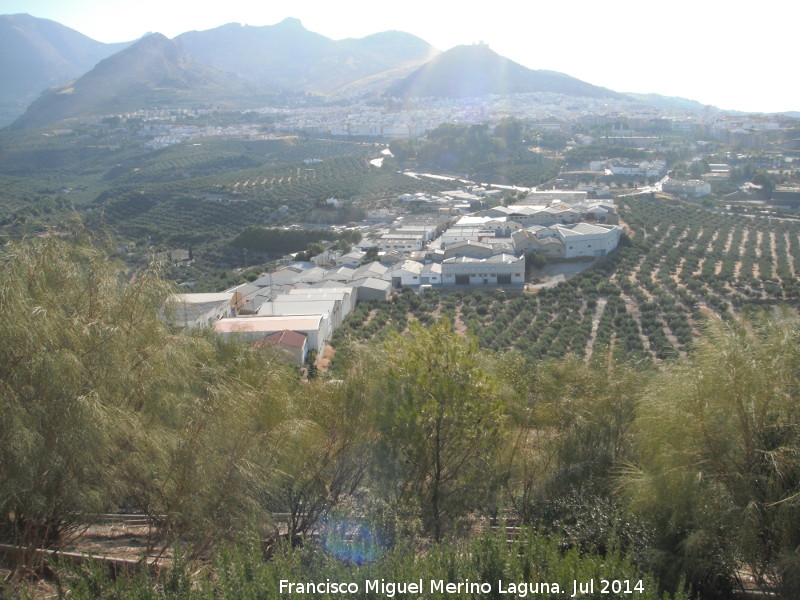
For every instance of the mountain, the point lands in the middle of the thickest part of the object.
(290, 56)
(668, 102)
(154, 72)
(36, 54)
(474, 71)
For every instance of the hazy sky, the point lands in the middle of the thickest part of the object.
(740, 56)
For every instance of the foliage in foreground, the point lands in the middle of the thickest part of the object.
(102, 406)
(485, 560)
(718, 458)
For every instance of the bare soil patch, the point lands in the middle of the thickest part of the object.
(327, 356)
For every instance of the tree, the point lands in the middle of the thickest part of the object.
(371, 254)
(719, 467)
(314, 249)
(320, 453)
(574, 431)
(84, 363)
(766, 181)
(698, 168)
(103, 406)
(343, 246)
(440, 421)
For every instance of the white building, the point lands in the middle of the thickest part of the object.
(252, 329)
(371, 288)
(463, 234)
(341, 293)
(431, 274)
(199, 310)
(693, 188)
(547, 196)
(468, 248)
(285, 306)
(501, 269)
(373, 269)
(403, 242)
(406, 273)
(352, 258)
(642, 169)
(538, 239)
(527, 215)
(586, 239)
(428, 231)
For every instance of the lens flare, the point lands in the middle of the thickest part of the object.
(351, 542)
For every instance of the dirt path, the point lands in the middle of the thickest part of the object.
(710, 245)
(789, 257)
(633, 310)
(598, 314)
(458, 324)
(728, 241)
(742, 248)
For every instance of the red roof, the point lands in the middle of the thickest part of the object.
(286, 337)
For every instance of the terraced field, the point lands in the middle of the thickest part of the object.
(646, 302)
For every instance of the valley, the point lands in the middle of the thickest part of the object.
(282, 308)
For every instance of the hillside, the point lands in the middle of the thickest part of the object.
(668, 102)
(474, 71)
(38, 53)
(288, 55)
(152, 73)
(212, 443)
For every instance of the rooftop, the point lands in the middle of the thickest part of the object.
(267, 324)
(285, 337)
(497, 258)
(583, 229)
(202, 298)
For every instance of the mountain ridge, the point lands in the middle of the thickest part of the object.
(36, 54)
(153, 72)
(476, 70)
(289, 55)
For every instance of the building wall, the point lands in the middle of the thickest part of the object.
(590, 244)
(364, 293)
(405, 277)
(430, 277)
(453, 250)
(692, 188)
(465, 234)
(345, 294)
(292, 353)
(184, 314)
(546, 196)
(401, 242)
(481, 273)
(316, 337)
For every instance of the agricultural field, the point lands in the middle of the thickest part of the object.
(193, 195)
(348, 177)
(647, 302)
